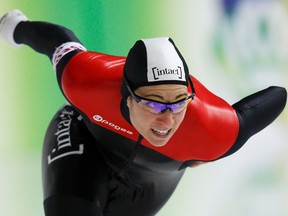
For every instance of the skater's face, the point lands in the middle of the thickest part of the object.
(158, 117)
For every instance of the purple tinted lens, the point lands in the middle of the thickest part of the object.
(157, 107)
(176, 107)
(154, 106)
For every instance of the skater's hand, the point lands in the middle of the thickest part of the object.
(8, 23)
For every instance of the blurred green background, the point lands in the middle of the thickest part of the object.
(234, 47)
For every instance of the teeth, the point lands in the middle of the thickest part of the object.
(161, 132)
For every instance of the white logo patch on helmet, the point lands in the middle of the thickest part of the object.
(163, 62)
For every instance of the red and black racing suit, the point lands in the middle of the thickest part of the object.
(96, 163)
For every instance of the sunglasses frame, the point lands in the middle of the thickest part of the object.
(138, 98)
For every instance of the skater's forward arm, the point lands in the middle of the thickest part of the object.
(256, 112)
(52, 40)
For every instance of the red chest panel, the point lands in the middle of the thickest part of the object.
(92, 83)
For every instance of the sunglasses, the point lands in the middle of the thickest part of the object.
(157, 107)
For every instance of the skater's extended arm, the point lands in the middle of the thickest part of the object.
(256, 112)
(43, 37)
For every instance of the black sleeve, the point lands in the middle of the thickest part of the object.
(257, 111)
(44, 38)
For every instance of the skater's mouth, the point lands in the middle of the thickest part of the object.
(161, 133)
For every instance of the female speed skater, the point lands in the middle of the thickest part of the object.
(131, 125)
